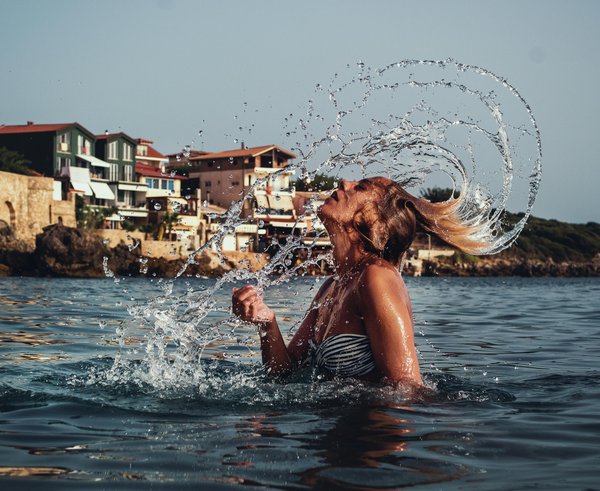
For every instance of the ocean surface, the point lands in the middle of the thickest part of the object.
(122, 385)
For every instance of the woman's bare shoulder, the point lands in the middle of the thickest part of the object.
(378, 271)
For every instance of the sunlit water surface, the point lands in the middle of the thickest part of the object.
(85, 400)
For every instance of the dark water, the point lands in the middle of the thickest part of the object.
(515, 404)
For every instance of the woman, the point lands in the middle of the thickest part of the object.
(360, 322)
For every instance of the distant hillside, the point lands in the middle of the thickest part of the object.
(550, 239)
(542, 239)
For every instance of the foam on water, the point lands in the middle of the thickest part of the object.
(419, 122)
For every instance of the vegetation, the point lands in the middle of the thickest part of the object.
(91, 217)
(559, 241)
(320, 182)
(11, 161)
(435, 194)
(128, 225)
(541, 239)
(168, 220)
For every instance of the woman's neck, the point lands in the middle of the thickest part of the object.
(347, 253)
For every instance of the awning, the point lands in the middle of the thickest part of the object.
(80, 179)
(101, 190)
(81, 187)
(133, 187)
(133, 213)
(281, 202)
(287, 225)
(246, 228)
(95, 161)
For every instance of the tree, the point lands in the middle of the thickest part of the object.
(320, 182)
(91, 217)
(11, 161)
(168, 220)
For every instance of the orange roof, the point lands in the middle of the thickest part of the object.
(33, 128)
(244, 152)
(152, 171)
(152, 152)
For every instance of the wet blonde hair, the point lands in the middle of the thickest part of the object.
(389, 226)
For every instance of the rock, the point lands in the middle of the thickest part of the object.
(71, 252)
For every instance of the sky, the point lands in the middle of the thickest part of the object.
(191, 72)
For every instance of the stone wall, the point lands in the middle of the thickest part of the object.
(149, 248)
(26, 205)
(115, 237)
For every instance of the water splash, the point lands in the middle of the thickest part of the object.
(418, 122)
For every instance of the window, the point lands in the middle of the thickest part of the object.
(62, 141)
(125, 197)
(152, 183)
(207, 184)
(142, 150)
(163, 184)
(62, 162)
(126, 152)
(84, 146)
(128, 173)
(113, 172)
(112, 151)
(235, 183)
(171, 185)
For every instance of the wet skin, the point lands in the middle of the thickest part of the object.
(367, 296)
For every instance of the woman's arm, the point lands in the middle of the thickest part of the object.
(280, 359)
(385, 306)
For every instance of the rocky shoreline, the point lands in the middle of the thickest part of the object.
(74, 253)
(487, 267)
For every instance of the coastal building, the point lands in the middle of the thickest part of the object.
(225, 177)
(259, 177)
(175, 216)
(49, 147)
(66, 152)
(118, 151)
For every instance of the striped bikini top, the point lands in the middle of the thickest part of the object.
(345, 355)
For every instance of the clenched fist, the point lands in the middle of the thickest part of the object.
(248, 305)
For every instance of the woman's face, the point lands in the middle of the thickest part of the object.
(350, 198)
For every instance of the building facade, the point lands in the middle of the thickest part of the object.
(118, 150)
(49, 147)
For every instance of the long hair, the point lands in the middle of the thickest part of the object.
(388, 227)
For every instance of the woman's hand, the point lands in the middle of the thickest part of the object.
(248, 305)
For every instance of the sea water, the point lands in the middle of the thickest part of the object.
(124, 382)
(512, 366)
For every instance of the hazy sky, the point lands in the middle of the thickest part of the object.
(166, 69)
